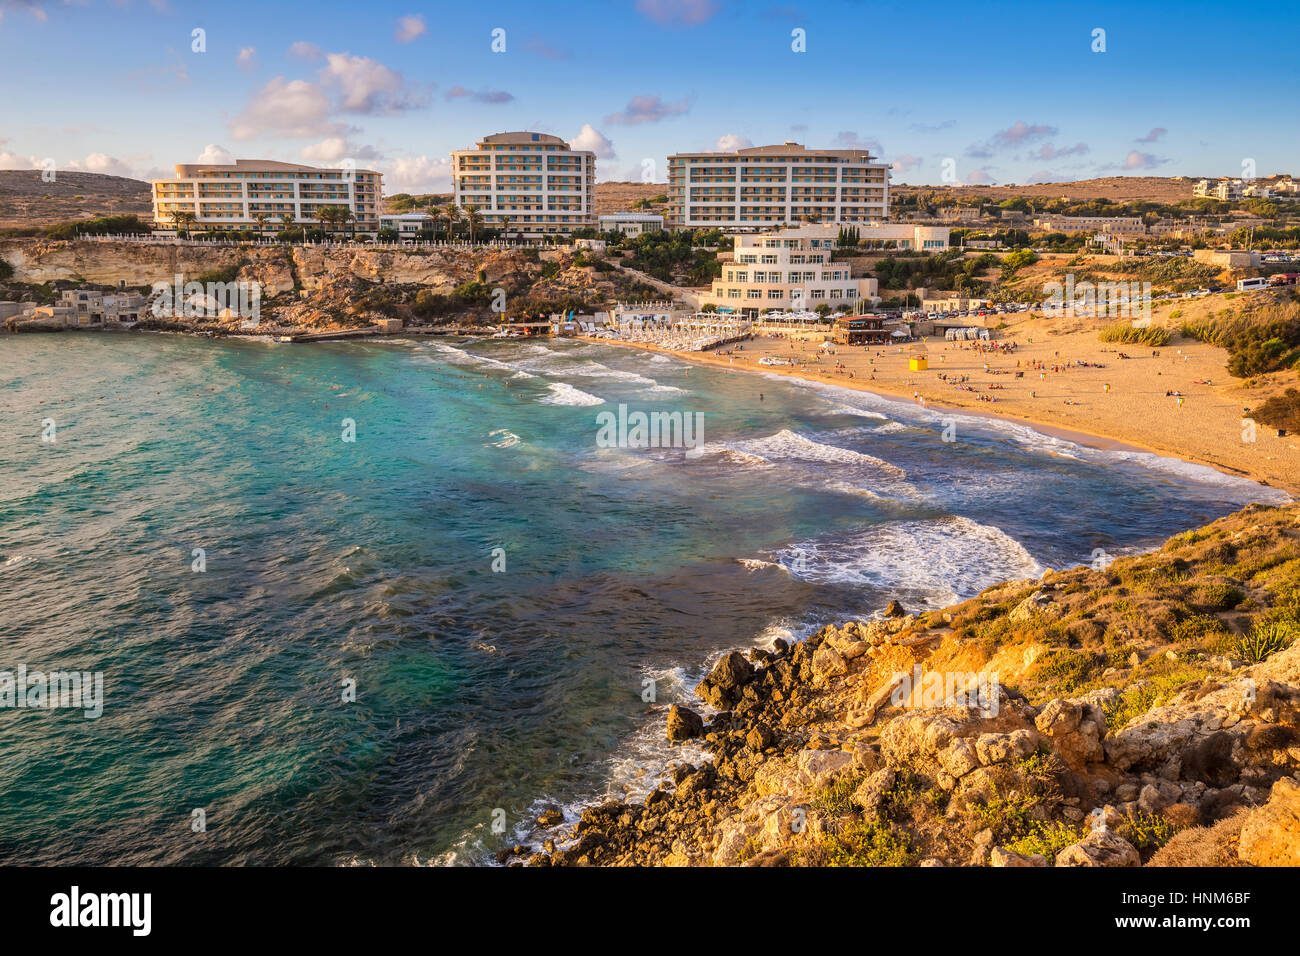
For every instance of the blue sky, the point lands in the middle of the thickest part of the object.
(1007, 92)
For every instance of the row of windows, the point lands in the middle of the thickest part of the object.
(778, 278)
(778, 294)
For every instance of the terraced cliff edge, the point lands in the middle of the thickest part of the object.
(1144, 711)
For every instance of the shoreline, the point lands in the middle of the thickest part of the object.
(1087, 438)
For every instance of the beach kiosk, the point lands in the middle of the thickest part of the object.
(860, 330)
(918, 363)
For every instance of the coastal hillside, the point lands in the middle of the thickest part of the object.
(1141, 711)
(26, 200)
(327, 289)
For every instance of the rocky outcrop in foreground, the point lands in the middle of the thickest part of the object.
(1144, 714)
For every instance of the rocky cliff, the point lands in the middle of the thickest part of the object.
(327, 287)
(1145, 713)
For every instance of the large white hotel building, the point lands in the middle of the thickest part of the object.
(532, 184)
(789, 269)
(232, 196)
(765, 186)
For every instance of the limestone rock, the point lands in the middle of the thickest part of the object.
(1100, 848)
(683, 723)
(871, 792)
(828, 663)
(1271, 834)
(1001, 857)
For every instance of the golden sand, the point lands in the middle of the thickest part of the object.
(1125, 403)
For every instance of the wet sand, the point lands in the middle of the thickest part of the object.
(1122, 405)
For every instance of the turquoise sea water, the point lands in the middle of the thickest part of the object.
(478, 692)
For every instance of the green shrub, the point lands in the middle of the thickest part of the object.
(1048, 839)
(1265, 638)
(1281, 411)
(1146, 831)
(868, 841)
(1126, 333)
(834, 800)
(1064, 671)
(1219, 596)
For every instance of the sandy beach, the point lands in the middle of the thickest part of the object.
(1122, 396)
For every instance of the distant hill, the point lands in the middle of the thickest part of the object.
(1162, 189)
(610, 198)
(25, 200)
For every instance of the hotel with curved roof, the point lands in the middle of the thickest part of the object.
(528, 184)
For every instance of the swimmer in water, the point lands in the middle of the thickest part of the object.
(760, 396)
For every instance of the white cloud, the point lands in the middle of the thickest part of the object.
(246, 58)
(1137, 160)
(978, 177)
(479, 96)
(334, 148)
(1048, 151)
(418, 174)
(591, 138)
(1022, 132)
(292, 108)
(671, 13)
(305, 51)
(647, 109)
(102, 163)
(729, 142)
(215, 155)
(410, 27)
(904, 162)
(367, 86)
(852, 140)
(14, 161)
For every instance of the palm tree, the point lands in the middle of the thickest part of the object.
(452, 213)
(505, 227)
(329, 217)
(287, 220)
(260, 219)
(183, 220)
(345, 216)
(473, 219)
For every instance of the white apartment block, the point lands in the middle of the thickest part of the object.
(232, 196)
(765, 186)
(529, 184)
(789, 269)
(1224, 190)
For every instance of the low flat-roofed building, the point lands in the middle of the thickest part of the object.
(932, 301)
(406, 224)
(860, 330)
(1227, 258)
(103, 308)
(1110, 225)
(903, 235)
(631, 223)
